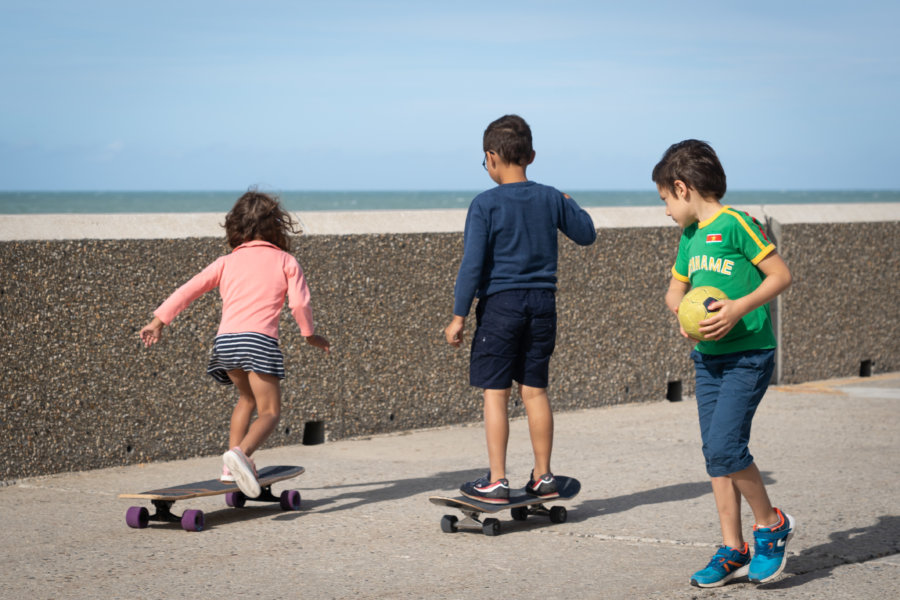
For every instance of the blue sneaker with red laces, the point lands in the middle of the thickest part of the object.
(769, 556)
(726, 564)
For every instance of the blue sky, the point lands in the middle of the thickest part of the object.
(395, 95)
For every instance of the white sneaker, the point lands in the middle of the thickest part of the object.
(243, 470)
(226, 477)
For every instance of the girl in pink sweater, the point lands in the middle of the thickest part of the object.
(253, 281)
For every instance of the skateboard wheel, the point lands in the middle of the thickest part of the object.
(519, 513)
(137, 517)
(491, 527)
(235, 499)
(192, 520)
(558, 514)
(448, 524)
(290, 500)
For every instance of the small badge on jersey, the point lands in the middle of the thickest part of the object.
(713, 238)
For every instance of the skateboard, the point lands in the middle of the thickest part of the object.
(520, 506)
(192, 520)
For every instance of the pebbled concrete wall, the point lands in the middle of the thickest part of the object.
(843, 308)
(80, 391)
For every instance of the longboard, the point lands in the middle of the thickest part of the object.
(192, 520)
(521, 505)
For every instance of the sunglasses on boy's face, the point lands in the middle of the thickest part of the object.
(484, 162)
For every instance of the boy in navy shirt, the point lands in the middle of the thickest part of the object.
(509, 263)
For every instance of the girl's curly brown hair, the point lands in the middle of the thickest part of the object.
(259, 216)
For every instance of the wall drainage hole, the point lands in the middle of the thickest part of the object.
(865, 368)
(673, 391)
(313, 433)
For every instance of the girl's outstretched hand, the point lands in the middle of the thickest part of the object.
(319, 342)
(152, 332)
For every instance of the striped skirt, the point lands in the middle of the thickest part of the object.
(246, 351)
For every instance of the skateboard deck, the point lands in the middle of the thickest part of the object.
(520, 505)
(192, 520)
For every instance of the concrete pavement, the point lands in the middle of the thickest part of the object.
(644, 521)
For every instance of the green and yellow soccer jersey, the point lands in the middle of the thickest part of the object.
(723, 252)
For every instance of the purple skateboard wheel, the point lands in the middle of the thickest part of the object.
(235, 499)
(290, 500)
(137, 517)
(192, 520)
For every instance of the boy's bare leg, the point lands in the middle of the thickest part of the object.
(728, 491)
(540, 426)
(496, 429)
(728, 503)
(750, 485)
(266, 393)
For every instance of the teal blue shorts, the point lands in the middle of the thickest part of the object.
(729, 389)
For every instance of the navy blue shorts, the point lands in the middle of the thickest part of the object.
(247, 352)
(514, 338)
(729, 389)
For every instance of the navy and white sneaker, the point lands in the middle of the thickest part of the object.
(485, 490)
(544, 487)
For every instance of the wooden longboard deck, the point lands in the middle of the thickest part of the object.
(212, 487)
(568, 488)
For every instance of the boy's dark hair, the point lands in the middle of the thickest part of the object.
(696, 164)
(510, 137)
(259, 216)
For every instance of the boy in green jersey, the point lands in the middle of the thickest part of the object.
(727, 249)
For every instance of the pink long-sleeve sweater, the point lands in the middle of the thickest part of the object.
(253, 281)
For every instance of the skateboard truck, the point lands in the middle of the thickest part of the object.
(491, 526)
(239, 499)
(163, 512)
(139, 517)
(471, 520)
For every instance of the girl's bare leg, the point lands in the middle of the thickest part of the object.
(258, 392)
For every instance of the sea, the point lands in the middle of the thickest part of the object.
(117, 202)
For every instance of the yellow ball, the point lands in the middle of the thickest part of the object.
(694, 308)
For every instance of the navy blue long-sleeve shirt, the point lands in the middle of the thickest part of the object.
(510, 240)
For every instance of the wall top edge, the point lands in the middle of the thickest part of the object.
(186, 225)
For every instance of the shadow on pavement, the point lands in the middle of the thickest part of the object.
(671, 493)
(847, 547)
(388, 490)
